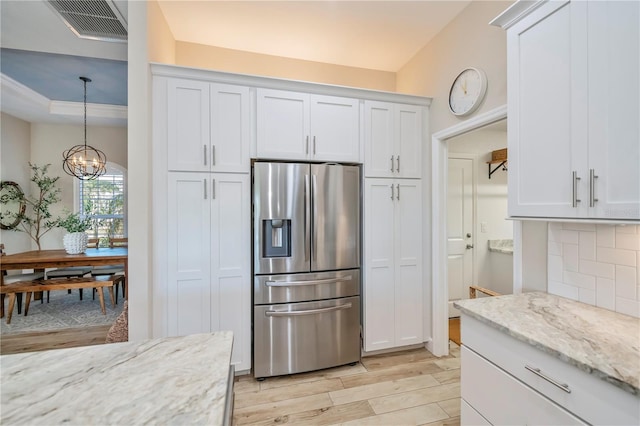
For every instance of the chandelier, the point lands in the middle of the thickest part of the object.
(84, 161)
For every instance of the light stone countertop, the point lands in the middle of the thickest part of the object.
(174, 380)
(501, 246)
(598, 341)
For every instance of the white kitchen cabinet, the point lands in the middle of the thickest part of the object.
(208, 258)
(302, 126)
(393, 140)
(208, 126)
(573, 100)
(392, 289)
(540, 388)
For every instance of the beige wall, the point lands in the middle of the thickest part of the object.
(162, 46)
(217, 58)
(15, 151)
(468, 41)
(49, 141)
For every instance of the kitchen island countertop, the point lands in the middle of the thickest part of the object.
(174, 380)
(595, 340)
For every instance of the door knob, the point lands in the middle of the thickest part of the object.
(469, 246)
(468, 235)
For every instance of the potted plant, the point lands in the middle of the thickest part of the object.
(75, 240)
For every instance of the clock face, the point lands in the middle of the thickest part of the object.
(467, 91)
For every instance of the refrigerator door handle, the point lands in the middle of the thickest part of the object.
(307, 312)
(307, 218)
(310, 282)
(314, 218)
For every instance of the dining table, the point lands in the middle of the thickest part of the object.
(39, 260)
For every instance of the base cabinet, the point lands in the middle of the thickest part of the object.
(392, 288)
(209, 271)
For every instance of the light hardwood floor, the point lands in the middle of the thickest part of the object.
(57, 339)
(403, 388)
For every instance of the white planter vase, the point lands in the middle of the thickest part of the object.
(75, 242)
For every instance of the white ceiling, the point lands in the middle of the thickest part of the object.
(380, 35)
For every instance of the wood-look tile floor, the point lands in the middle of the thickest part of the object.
(411, 387)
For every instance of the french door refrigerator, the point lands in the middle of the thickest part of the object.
(306, 249)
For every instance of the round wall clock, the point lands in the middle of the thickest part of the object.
(467, 91)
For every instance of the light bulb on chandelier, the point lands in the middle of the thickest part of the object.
(84, 161)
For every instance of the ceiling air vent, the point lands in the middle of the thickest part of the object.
(92, 19)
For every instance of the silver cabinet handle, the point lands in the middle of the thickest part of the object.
(307, 312)
(306, 150)
(310, 282)
(398, 164)
(537, 372)
(398, 193)
(391, 191)
(314, 145)
(205, 189)
(205, 154)
(392, 164)
(592, 188)
(574, 187)
(213, 155)
(213, 189)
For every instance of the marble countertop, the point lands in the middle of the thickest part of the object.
(598, 341)
(501, 246)
(174, 380)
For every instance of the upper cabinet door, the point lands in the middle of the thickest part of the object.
(230, 128)
(335, 129)
(614, 108)
(188, 125)
(379, 139)
(547, 112)
(283, 125)
(408, 130)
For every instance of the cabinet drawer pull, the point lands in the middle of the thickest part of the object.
(213, 189)
(398, 164)
(213, 155)
(398, 194)
(205, 189)
(314, 145)
(392, 164)
(307, 312)
(205, 154)
(574, 189)
(307, 146)
(592, 188)
(537, 372)
(391, 191)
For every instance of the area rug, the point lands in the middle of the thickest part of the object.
(63, 311)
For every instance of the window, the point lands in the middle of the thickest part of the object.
(103, 199)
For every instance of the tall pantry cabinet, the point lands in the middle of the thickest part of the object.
(201, 133)
(393, 199)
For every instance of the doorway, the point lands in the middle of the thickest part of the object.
(439, 157)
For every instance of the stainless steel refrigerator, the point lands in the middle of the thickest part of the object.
(306, 248)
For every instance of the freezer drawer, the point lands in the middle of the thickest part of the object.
(298, 337)
(270, 289)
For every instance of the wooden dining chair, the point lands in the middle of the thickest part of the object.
(111, 270)
(13, 278)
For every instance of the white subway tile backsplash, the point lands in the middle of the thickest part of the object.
(606, 293)
(616, 256)
(628, 306)
(587, 245)
(599, 269)
(606, 236)
(595, 264)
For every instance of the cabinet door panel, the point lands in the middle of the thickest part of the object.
(408, 261)
(335, 129)
(408, 130)
(230, 263)
(189, 276)
(230, 125)
(378, 288)
(188, 125)
(614, 108)
(379, 139)
(283, 124)
(546, 88)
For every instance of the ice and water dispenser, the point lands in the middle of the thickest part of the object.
(276, 238)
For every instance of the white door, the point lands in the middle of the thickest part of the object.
(459, 230)
(283, 125)
(378, 139)
(408, 132)
(335, 129)
(230, 128)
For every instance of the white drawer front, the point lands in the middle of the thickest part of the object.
(504, 400)
(469, 416)
(590, 398)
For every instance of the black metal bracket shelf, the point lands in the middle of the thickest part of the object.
(502, 164)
